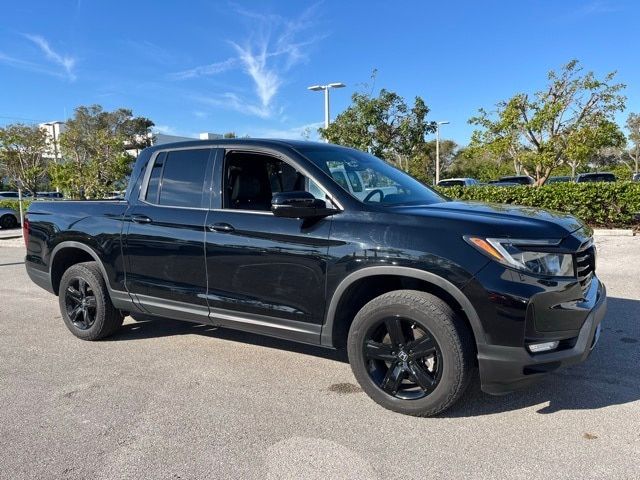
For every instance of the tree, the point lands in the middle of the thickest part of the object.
(384, 126)
(97, 148)
(230, 135)
(633, 125)
(422, 163)
(478, 164)
(535, 131)
(586, 144)
(22, 155)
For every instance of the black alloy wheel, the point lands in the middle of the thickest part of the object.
(85, 304)
(411, 352)
(80, 303)
(403, 358)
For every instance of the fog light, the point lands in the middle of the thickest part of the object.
(543, 347)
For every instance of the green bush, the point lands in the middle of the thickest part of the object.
(13, 204)
(598, 204)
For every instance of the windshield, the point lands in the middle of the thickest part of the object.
(369, 179)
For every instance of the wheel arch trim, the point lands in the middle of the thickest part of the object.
(119, 298)
(436, 280)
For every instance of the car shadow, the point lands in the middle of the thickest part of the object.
(610, 376)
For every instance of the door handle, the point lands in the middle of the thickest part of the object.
(140, 219)
(221, 227)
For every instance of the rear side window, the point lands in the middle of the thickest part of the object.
(154, 179)
(177, 178)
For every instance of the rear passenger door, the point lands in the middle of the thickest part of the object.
(165, 235)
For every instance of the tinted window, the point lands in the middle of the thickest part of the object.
(183, 178)
(154, 179)
(251, 179)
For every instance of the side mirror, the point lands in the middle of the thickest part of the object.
(299, 204)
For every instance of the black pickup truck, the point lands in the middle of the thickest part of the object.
(265, 236)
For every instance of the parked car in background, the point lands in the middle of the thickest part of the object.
(8, 218)
(636, 177)
(51, 195)
(519, 179)
(13, 195)
(596, 177)
(458, 182)
(560, 179)
(500, 183)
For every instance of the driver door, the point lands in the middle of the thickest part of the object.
(265, 271)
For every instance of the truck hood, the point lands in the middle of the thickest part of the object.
(500, 220)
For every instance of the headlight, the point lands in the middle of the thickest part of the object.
(527, 255)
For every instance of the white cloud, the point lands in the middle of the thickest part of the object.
(166, 129)
(309, 130)
(206, 70)
(67, 62)
(272, 48)
(232, 101)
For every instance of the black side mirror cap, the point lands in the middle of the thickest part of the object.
(299, 204)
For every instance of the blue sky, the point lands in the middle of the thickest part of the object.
(244, 66)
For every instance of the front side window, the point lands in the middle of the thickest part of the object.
(251, 179)
(379, 182)
(177, 178)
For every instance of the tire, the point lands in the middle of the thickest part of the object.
(423, 376)
(8, 221)
(85, 304)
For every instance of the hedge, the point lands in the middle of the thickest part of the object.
(609, 205)
(13, 204)
(598, 204)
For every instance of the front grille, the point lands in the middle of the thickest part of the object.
(586, 264)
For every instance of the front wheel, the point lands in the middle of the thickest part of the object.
(85, 304)
(411, 353)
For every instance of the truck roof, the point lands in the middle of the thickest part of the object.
(258, 142)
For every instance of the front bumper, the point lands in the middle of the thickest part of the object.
(504, 369)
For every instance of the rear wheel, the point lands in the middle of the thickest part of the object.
(411, 353)
(85, 304)
(8, 221)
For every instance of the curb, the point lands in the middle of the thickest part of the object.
(613, 232)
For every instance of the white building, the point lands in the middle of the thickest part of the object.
(53, 130)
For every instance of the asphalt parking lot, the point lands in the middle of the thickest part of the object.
(178, 401)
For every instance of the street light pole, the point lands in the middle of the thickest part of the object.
(445, 122)
(327, 115)
(325, 88)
